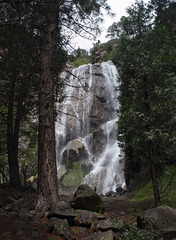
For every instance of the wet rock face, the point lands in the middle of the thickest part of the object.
(74, 152)
(87, 126)
(87, 101)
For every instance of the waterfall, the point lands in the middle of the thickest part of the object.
(86, 128)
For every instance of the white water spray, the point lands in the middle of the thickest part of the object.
(87, 120)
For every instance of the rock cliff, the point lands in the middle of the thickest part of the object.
(86, 128)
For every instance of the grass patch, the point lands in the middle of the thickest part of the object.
(143, 192)
(167, 188)
(171, 202)
(168, 197)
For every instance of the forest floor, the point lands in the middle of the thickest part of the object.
(11, 228)
(124, 209)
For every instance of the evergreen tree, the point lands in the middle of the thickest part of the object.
(45, 26)
(18, 78)
(145, 59)
(75, 16)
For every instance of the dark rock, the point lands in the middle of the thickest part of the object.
(120, 235)
(15, 195)
(41, 214)
(18, 224)
(20, 233)
(87, 199)
(8, 207)
(10, 200)
(35, 233)
(109, 235)
(85, 218)
(63, 211)
(123, 192)
(21, 203)
(81, 231)
(32, 213)
(162, 217)
(35, 222)
(107, 204)
(105, 225)
(24, 215)
(62, 229)
(6, 234)
(169, 233)
(51, 238)
(119, 189)
(1, 210)
(28, 238)
(47, 227)
(111, 194)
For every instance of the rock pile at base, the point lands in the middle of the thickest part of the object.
(64, 222)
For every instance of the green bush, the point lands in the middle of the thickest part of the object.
(78, 61)
(131, 232)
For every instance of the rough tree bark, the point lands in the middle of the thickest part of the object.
(47, 171)
(151, 153)
(154, 177)
(12, 143)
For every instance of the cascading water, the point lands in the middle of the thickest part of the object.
(86, 127)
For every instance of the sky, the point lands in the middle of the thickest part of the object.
(118, 7)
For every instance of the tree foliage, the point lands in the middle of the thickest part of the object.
(18, 79)
(75, 16)
(145, 57)
(79, 57)
(34, 37)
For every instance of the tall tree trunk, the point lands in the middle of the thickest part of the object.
(18, 118)
(128, 171)
(154, 177)
(2, 171)
(11, 146)
(151, 153)
(47, 170)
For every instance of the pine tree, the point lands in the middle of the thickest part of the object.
(145, 59)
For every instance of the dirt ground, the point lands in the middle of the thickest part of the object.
(122, 208)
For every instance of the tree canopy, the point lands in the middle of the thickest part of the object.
(145, 57)
(33, 43)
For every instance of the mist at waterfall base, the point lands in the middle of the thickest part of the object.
(86, 128)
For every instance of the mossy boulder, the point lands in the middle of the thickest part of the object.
(162, 217)
(87, 199)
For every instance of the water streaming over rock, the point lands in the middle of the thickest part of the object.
(86, 129)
